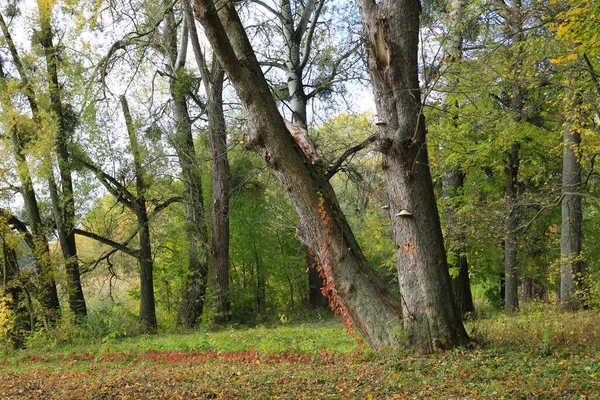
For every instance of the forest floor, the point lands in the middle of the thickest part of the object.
(537, 354)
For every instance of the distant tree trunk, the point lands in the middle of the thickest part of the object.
(431, 319)
(64, 203)
(453, 181)
(323, 227)
(213, 80)
(147, 305)
(571, 264)
(46, 287)
(515, 20)
(194, 293)
(220, 192)
(511, 301)
(533, 290)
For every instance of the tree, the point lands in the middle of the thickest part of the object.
(322, 227)
(213, 78)
(431, 319)
(18, 126)
(138, 203)
(176, 51)
(63, 201)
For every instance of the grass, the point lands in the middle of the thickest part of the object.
(538, 353)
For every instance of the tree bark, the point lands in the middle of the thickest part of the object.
(571, 264)
(511, 300)
(213, 80)
(220, 192)
(431, 319)
(194, 293)
(147, 304)
(515, 20)
(64, 203)
(323, 227)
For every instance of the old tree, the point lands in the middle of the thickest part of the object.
(426, 311)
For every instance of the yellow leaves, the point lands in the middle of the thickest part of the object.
(572, 57)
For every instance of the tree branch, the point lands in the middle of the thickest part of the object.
(268, 8)
(311, 31)
(118, 246)
(18, 225)
(333, 73)
(161, 206)
(337, 165)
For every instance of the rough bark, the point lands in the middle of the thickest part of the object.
(323, 227)
(63, 201)
(147, 305)
(220, 192)
(194, 293)
(431, 319)
(571, 264)
(511, 300)
(213, 80)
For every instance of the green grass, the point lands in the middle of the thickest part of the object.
(538, 353)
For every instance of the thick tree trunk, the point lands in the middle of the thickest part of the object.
(511, 300)
(571, 264)
(431, 318)
(192, 302)
(213, 80)
(147, 306)
(323, 227)
(64, 204)
(220, 194)
(194, 293)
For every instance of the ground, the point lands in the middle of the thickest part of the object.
(313, 361)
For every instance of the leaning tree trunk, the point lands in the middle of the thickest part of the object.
(322, 227)
(571, 265)
(431, 318)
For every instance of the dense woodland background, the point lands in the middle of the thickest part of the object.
(130, 201)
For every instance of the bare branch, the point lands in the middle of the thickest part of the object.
(338, 164)
(115, 245)
(311, 31)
